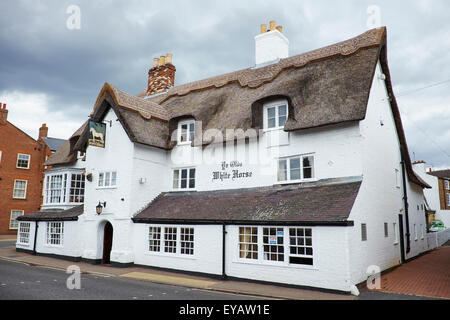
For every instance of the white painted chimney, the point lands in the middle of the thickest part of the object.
(420, 165)
(271, 45)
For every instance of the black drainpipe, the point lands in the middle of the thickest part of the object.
(405, 201)
(224, 232)
(35, 237)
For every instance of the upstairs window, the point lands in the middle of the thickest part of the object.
(23, 161)
(107, 179)
(64, 188)
(184, 178)
(186, 131)
(296, 168)
(76, 194)
(447, 184)
(275, 115)
(20, 189)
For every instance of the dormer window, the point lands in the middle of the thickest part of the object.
(275, 114)
(186, 131)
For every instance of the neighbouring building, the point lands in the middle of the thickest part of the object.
(295, 170)
(438, 197)
(21, 172)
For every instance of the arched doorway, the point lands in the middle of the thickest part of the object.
(107, 243)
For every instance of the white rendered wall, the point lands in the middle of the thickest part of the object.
(207, 256)
(330, 262)
(380, 197)
(70, 242)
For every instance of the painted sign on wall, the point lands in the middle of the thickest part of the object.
(231, 171)
(96, 134)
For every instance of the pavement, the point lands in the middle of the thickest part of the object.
(425, 277)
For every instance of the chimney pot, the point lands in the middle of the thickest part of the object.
(162, 60)
(169, 58)
(280, 29)
(272, 25)
(43, 131)
(263, 28)
(155, 62)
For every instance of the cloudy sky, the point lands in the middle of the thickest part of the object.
(53, 74)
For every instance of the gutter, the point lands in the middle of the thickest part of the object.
(35, 237)
(405, 202)
(224, 232)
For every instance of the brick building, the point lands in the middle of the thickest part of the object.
(21, 172)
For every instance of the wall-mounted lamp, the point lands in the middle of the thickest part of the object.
(99, 207)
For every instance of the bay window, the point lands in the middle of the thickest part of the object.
(64, 188)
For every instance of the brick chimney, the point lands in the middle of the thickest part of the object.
(3, 114)
(271, 44)
(43, 131)
(162, 76)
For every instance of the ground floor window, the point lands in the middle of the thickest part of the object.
(284, 245)
(171, 240)
(24, 233)
(13, 223)
(55, 232)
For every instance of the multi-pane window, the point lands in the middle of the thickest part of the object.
(55, 188)
(76, 188)
(187, 241)
(248, 242)
(24, 233)
(20, 189)
(107, 179)
(300, 246)
(184, 178)
(448, 199)
(55, 231)
(296, 168)
(13, 223)
(23, 161)
(170, 239)
(154, 239)
(273, 244)
(186, 131)
(447, 184)
(276, 115)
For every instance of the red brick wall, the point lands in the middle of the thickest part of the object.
(443, 195)
(12, 142)
(160, 79)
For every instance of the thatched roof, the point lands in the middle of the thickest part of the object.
(323, 87)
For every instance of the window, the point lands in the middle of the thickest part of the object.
(187, 241)
(395, 233)
(76, 192)
(186, 131)
(448, 199)
(415, 232)
(13, 223)
(275, 115)
(55, 188)
(23, 161)
(154, 239)
(421, 231)
(447, 184)
(170, 240)
(296, 168)
(184, 178)
(273, 244)
(107, 179)
(363, 232)
(248, 243)
(386, 230)
(20, 189)
(55, 231)
(24, 233)
(300, 246)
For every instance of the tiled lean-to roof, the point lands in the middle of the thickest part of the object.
(54, 215)
(324, 202)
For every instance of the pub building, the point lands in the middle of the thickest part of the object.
(292, 171)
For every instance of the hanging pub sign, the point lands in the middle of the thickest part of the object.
(97, 132)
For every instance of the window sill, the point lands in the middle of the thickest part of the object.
(105, 188)
(273, 129)
(19, 198)
(54, 246)
(184, 190)
(184, 143)
(171, 255)
(295, 181)
(278, 265)
(23, 168)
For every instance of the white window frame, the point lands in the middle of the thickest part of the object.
(23, 234)
(154, 234)
(415, 232)
(275, 104)
(189, 139)
(188, 178)
(25, 189)
(49, 232)
(110, 180)
(448, 199)
(191, 254)
(395, 232)
(11, 219)
(288, 169)
(64, 191)
(447, 184)
(28, 163)
(187, 240)
(286, 251)
(247, 243)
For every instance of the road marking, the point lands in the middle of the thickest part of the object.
(178, 281)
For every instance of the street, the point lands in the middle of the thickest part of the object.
(22, 282)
